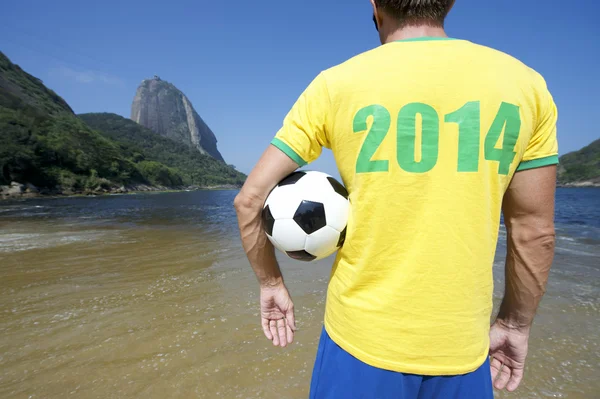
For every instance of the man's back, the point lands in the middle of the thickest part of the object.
(427, 135)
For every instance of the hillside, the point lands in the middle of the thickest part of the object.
(581, 167)
(42, 143)
(19, 89)
(140, 143)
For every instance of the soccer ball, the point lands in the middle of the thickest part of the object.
(306, 214)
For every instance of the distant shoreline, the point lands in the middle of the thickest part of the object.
(582, 184)
(20, 191)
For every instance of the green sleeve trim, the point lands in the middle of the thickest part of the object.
(287, 150)
(538, 163)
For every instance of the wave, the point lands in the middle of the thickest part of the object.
(18, 242)
(575, 251)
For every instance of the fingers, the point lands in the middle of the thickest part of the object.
(290, 334)
(278, 331)
(274, 333)
(281, 330)
(515, 380)
(503, 378)
(290, 324)
(495, 367)
(291, 318)
(266, 330)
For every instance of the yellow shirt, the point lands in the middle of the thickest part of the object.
(427, 135)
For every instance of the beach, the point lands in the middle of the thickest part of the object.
(150, 295)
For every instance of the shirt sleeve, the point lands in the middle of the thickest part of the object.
(304, 131)
(542, 149)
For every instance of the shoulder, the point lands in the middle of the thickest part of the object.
(347, 73)
(509, 64)
(357, 63)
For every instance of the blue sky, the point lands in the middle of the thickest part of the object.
(244, 63)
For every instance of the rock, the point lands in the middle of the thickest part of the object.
(160, 106)
(31, 189)
(16, 189)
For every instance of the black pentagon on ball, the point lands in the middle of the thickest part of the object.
(292, 179)
(342, 238)
(338, 187)
(301, 255)
(268, 220)
(310, 216)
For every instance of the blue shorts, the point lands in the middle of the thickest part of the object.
(339, 375)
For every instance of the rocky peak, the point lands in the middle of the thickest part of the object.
(160, 106)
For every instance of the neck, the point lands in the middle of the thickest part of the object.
(412, 32)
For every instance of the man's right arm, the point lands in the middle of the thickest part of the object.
(529, 218)
(528, 208)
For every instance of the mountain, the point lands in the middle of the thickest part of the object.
(19, 89)
(138, 141)
(43, 143)
(160, 106)
(581, 167)
(45, 146)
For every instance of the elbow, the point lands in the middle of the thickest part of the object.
(542, 236)
(546, 241)
(244, 203)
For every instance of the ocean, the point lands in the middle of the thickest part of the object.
(151, 296)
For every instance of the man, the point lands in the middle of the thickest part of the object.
(433, 137)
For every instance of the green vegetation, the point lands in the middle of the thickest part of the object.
(18, 88)
(59, 153)
(159, 174)
(43, 143)
(582, 165)
(139, 143)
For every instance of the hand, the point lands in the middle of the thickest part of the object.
(508, 350)
(277, 314)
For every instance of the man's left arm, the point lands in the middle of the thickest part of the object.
(277, 311)
(299, 142)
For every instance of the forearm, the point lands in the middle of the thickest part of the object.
(530, 252)
(257, 246)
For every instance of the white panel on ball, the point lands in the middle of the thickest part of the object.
(315, 186)
(283, 202)
(323, 242)
(289, 235)
(275, 243)
(337, 209)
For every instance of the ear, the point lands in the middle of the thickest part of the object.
(376, 19)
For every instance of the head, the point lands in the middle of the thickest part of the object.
(393, 15)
